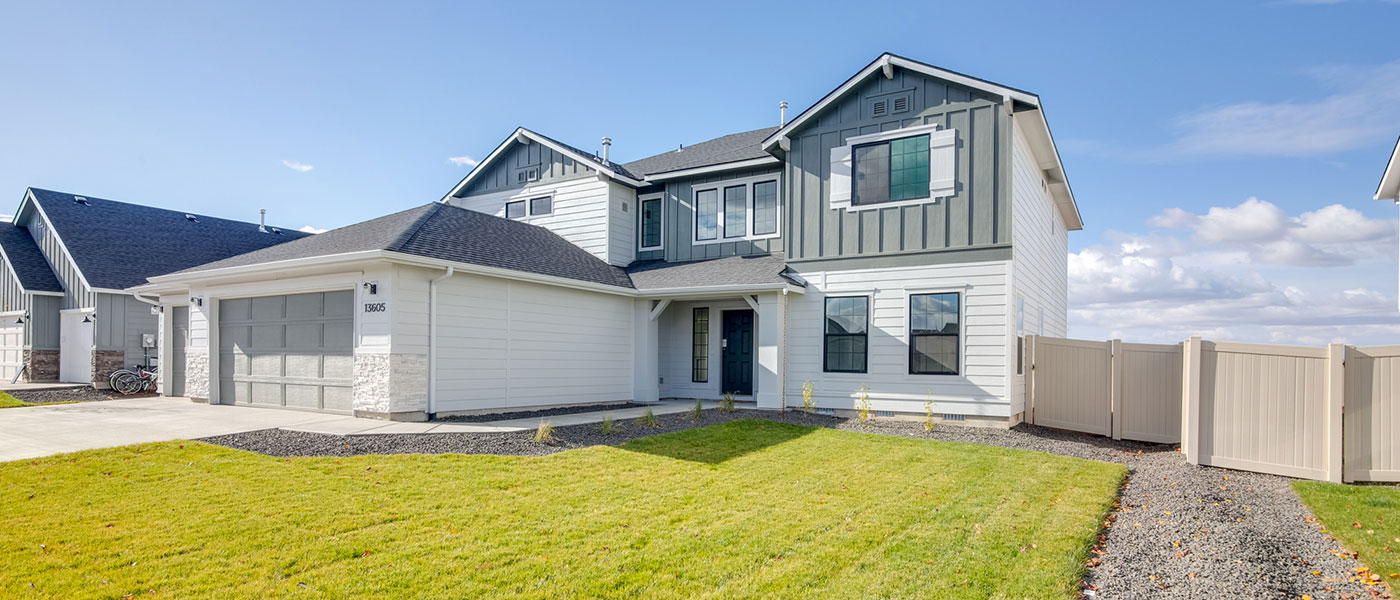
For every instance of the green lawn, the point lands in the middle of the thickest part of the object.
(1364, 518)
(8, 401)
(749, 509)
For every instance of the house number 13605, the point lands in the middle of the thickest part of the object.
(375, 307)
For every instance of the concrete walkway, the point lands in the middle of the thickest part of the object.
(36, 431)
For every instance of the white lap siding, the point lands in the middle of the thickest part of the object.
(979, 389)
(580, 213)
(1040, 259)
(509, 344)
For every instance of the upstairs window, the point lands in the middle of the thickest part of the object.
(706, 215)
(765, 208)
(651, 223)
(541, 206)
(891, 171)
(934, 332)
(738, 209)
(515, 210)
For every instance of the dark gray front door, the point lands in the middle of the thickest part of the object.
(738, 352)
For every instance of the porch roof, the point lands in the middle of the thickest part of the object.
(730, 271)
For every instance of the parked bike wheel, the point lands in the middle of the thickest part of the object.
(128, 383)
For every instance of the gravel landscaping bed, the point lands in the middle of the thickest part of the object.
(77, 394)
(525, 414)
(1181, 531)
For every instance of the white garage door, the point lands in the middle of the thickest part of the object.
(11, 349)
(292, 351)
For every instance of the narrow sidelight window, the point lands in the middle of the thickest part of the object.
(845, 343)
(765, 208)
(707, 214)
(541, 206)
(651, 223)
(891, 171)
(736, 206)
(934, 329)
(515, 210)
(700, 345)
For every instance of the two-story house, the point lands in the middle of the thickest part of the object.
(891, 241)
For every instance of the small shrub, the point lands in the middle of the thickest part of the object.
(698, 410)
(608, 426)
(648, 419)
(545, 433)
(863, 402)
(928, 413)
(808, 389)
(726, 402)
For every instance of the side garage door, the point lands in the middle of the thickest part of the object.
(292, 351)
(11, 349)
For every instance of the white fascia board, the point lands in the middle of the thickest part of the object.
(720, 290)
(461, 267)
(57, 294)
(521, 132)
(729, 166)
(879, 65)
(1389, 188)
(280, 266)
(110, 291)
(1047, 158)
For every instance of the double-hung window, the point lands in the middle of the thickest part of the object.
(845, 343)
(650, 222)
(934, 333)
(739, 209)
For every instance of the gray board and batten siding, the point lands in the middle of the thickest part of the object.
(977, 217)
(520, 159)
(678, 221)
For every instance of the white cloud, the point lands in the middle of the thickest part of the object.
(1242, 273)
(296, 166)
(463, 161)
(1360, 107)
(310, 229)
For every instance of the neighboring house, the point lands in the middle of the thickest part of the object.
(897, 237)
(1389, 188)
(67, 262)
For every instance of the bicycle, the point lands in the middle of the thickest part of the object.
(136, 380)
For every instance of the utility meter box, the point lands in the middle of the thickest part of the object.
(148, 340)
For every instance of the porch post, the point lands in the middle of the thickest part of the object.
(772, 322)
(646, 385)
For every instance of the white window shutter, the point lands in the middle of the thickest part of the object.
(840, 181)
(943, 163)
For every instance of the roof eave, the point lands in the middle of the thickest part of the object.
(747, 163)
(1389, 188)
(515, 137)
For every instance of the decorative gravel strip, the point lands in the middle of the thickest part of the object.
(1181, 531)
(74, 394)
(548, 412)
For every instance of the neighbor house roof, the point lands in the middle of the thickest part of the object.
(715, 272)
(446, 232)
(609, 168)
(28, 263)
(732, 148)
(1389, 188)
(116, 245)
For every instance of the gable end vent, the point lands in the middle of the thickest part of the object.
(878, 109)
(901, 104)
(81, 200)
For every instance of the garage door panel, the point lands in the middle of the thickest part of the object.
(267, 365)
(337, 335)
(289, 351)
(340, 304)
(303, 396)
(301, 306)
(268, 336)
(338, 366)
(233, 311)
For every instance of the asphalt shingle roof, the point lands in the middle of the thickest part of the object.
(618, 168)
(731, 270)
(447, 232)
(730, 148)
(28, 263)
(118, 245)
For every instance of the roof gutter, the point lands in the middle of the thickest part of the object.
(729, 166)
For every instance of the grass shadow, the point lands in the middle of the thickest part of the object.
(716, 444)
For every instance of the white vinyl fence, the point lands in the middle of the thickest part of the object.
(1319, 413)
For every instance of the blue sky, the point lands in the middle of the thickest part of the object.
(1170, 119)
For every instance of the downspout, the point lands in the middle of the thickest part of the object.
(432, 340)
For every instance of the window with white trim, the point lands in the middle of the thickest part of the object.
(515, 209)
(913, 165)
(650, 222)
(738, 209)
(935, 332)
(542, 206)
